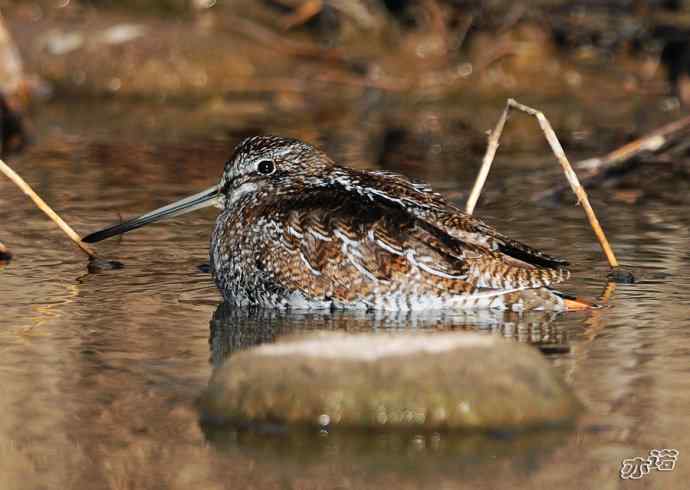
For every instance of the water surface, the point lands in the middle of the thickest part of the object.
(100, 373)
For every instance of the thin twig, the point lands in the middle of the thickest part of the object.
(572, 178)
(607, 293)
(562, 159)
(649, 142)
(595, 167)
(491, 149)
(67, 229)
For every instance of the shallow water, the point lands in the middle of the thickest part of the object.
(100, 373)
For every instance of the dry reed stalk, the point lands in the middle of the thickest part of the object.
(592, 169)
(67, 229)
(570, 175)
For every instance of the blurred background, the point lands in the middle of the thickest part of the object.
(111, 108)
(371, 80)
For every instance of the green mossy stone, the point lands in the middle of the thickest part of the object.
(425, 381)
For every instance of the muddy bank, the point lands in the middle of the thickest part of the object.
(384, 85)
(202, 49)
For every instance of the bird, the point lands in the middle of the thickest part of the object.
(296, 230)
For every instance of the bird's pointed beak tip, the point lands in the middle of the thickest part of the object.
(200, 200)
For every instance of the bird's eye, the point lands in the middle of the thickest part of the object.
(266, 167)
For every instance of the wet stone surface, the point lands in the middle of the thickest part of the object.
(428, 381)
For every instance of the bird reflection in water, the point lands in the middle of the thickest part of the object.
(233, 329)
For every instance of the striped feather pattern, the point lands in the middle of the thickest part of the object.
(318, 235)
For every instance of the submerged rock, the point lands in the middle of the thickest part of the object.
(5, 254)
(429, 381)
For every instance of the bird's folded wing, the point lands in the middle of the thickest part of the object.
(337, 244)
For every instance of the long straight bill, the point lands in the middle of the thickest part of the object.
(209, 197)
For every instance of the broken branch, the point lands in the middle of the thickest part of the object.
(597, 166)
(558, 151)
(488, 159)
(43, 206)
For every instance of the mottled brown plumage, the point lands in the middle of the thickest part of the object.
(296, 230)
(315, 234)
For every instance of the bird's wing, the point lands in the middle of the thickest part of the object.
(337, 244)
(419, 200)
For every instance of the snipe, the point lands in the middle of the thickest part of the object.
(296, 230)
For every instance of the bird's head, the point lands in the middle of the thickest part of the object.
(271, 166)
(260, 167)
